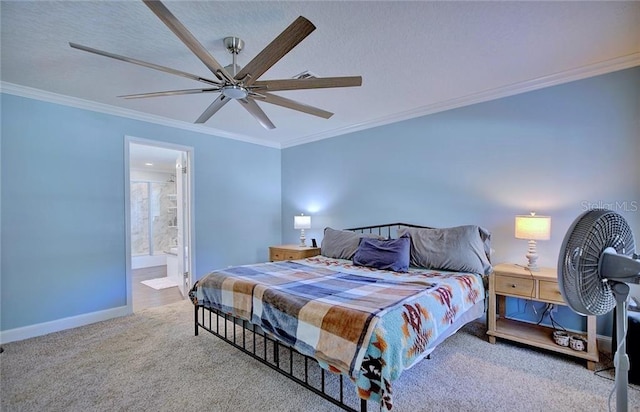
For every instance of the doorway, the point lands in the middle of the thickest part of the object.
(158, 208)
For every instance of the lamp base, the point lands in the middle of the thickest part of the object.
(302, 239)
(532, 257)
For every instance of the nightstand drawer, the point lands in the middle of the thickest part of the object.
(511, 285)
(276, 255)
(291, 252)
(283, 255)
(549, 291)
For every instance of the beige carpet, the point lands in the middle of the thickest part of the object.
(151, 361)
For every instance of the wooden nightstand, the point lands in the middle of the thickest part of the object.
(542, 286)
(291, 252)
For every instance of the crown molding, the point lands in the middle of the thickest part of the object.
(596, 69)
(37, 94)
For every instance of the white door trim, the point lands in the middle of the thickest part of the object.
(127, 207)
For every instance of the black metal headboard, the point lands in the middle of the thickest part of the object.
(384, 230)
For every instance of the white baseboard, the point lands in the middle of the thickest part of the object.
(139, 262)
(604, 344)
(40, 329)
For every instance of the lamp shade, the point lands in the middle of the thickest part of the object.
(302, 222)
(532, 227)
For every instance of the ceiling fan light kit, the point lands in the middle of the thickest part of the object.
(234, 92)
(233, 82)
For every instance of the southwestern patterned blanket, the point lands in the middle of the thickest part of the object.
(364, 323)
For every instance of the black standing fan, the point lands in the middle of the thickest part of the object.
(596, 259)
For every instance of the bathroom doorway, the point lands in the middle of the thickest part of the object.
(158, 211)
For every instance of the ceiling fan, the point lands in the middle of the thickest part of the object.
(233, 82)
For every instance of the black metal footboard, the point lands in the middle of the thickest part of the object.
(253, 341)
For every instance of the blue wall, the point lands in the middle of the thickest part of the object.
(556, 151)
(63, 211)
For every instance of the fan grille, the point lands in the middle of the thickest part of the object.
(581, 283)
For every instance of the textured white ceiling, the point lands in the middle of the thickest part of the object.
(161, 159)
(414, 57)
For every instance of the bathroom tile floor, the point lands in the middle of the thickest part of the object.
(146, 297)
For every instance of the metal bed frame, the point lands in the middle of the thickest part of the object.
(252, 340)
(385, 230)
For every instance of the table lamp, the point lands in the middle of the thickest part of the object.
(302, 222)
(532, 228)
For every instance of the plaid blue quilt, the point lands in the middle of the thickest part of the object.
(364, 323)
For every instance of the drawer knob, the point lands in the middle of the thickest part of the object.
(513, 285)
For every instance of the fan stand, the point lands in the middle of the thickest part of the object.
(621, 359)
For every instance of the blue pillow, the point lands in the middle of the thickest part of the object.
(390, 254)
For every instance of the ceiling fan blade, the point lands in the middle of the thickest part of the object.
(187, 38)
(290, 104)
(281, 45)
(168, 93)
(297, 84)
(213, 108)
(255, 110)
(143, 63)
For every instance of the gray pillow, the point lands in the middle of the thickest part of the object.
(459, 249)
(342, 244)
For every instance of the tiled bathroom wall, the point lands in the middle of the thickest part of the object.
(155, 203)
